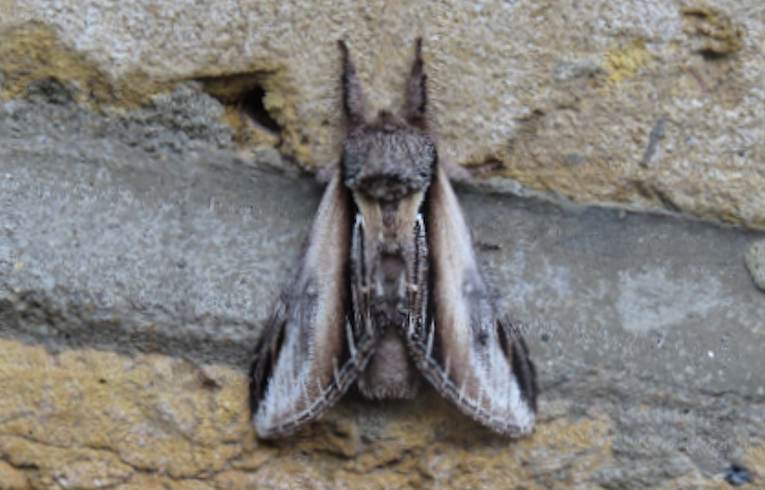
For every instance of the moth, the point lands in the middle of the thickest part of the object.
(389, 289)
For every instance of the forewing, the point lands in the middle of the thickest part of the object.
(470, 353)
(314, 347)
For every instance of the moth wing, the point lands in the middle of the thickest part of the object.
(470, 353)
(313, 349)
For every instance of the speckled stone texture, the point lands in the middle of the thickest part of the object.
(644, 104)
(152, 205)
(755, 262)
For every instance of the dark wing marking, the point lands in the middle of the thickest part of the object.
(317, 343)
(470, 353)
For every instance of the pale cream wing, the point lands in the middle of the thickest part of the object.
(314, 346)
(466, 348)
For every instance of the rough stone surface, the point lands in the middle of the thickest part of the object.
(645, 104)
(755, 262)
(140, 252)
(149, 421)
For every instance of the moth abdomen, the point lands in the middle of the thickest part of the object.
(390, 374)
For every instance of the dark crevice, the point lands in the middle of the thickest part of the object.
(489, 166)
(251, 103)
(710, 54)
(244, 97)
(50, 90)
(246, 93)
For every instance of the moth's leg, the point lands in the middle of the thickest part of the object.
(418, 282)
(360, 289)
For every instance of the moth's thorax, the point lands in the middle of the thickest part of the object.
(389, 253)
(388, 162)
(388, 165)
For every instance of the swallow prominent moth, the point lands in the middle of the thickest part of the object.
(389, 289)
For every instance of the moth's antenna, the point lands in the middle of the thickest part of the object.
(353, 95)
(416, 88)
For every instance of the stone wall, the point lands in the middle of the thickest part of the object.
(152, 203)
(654, 105)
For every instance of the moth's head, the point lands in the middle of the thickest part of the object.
(392, 155)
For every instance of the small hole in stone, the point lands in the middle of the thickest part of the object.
(713, 55)
(252, 104)
(208, 382)
(737, 475)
